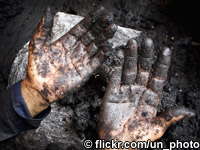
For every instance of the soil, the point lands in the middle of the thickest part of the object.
(170, 23)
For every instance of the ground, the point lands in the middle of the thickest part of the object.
(169, 23)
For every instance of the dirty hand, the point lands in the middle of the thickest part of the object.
(55, 69)
(130, 103)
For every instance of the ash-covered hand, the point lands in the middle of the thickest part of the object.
(55, 69)
(129, 108)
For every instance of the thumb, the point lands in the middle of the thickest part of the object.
(171, 115)
(44, 28)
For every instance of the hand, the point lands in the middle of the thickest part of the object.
(55, 69)
(130, 103)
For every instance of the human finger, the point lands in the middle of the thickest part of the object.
(161, 69)
(115, 80)
(130, 64)
(100, 40)
(97, 29)
(44, 28)
(172, 115)
(145, 62)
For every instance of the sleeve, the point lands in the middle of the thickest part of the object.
(14, 114)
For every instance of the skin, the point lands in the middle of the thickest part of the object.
(55, 69)
(129, 107)
(130, 104)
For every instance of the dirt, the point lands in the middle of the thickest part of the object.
(168, 23)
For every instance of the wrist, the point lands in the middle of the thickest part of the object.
(33, 99)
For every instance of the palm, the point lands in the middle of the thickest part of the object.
(59, 67)
(129, 108)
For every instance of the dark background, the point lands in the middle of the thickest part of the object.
(173, 23)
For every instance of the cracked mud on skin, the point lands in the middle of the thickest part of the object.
(129, 106)
(73, 58)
